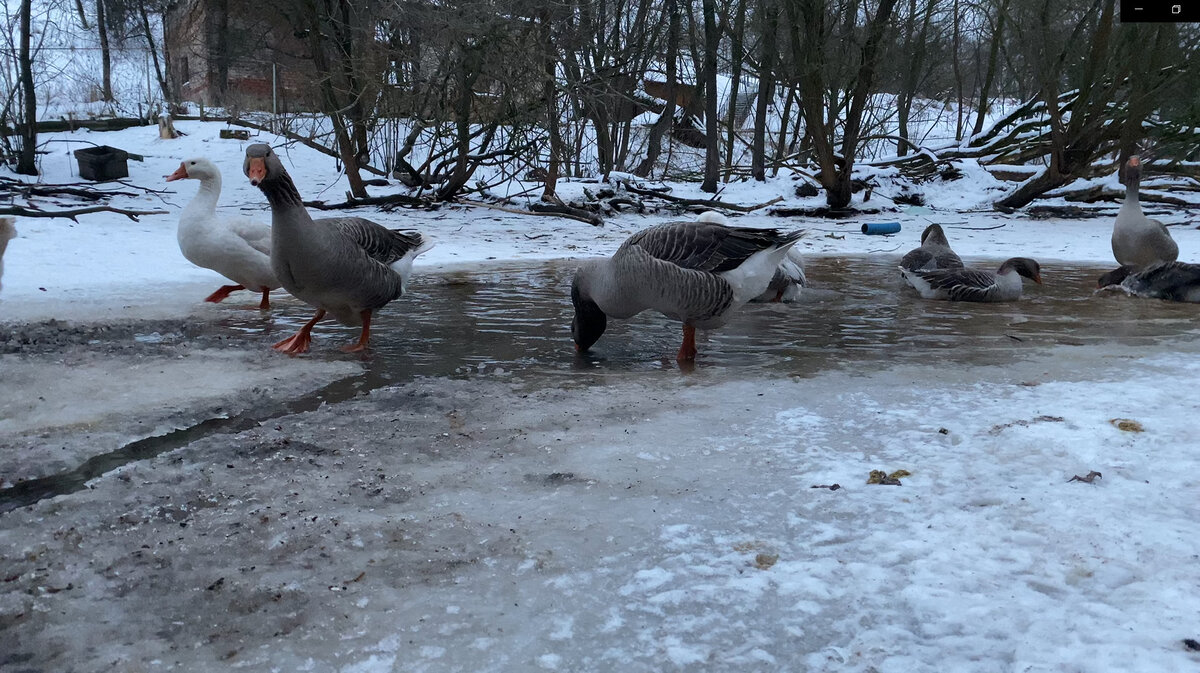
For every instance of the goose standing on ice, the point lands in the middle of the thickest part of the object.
(7, 232)
(967, 284)
(695, 272)
(934, 253)
(1172, 281)
(1136, 239)
(349, 268)
(236, 247)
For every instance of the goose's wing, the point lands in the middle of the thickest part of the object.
(947, 259)
(255, 233)
(1170, 280)
(381, 244)
(963, 284)
(916, 259)
(704, 246)
(1164, 246)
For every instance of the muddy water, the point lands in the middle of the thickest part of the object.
(516, 318)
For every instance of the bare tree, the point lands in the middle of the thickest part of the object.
(712, 141)
(769, 27)
(27, 159)
(812, 39)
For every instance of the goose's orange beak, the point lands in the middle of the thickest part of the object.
(256, 170)
(179, 174)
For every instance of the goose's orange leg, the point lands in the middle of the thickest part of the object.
(298, 342)
(265, 304)
(687, 352)
(362, 338)
(224, 292)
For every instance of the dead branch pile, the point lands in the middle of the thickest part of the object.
(65, 200)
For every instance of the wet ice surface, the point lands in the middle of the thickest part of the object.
(508, 506)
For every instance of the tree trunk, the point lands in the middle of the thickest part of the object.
(958, 79)
(331, 103)
(153, 47)
(106, 93)
(736, 59)
(549, 85)
(990, 75)
(27, 159)
(766, 90)
(666, 120)
(712, 142)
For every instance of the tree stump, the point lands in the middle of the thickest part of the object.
(166, 128)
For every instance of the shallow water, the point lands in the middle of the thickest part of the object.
(516, 318)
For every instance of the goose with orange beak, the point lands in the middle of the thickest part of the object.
(236, 247)
(1137, 240)
(345, 267)
(967, 284)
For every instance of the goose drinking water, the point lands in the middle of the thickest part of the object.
(696, 272)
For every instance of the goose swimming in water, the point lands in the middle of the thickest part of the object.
(1172, 281)
(967, 284)
(934, 253)
(1136, 239)
(696, 272)
(349, 269)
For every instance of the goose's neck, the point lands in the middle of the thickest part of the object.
(1132, 192)
(281, 193)
(205, 201)
(599, 281)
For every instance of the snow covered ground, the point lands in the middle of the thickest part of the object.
(593, 519)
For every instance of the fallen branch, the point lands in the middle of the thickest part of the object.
(706, 203)
(390, 200)
(71, 214)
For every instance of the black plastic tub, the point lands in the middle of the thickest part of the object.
(102, 163)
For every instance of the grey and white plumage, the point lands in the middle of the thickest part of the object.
(348, 267)
(788, 280)
(695, 272)
(967, 284)
(1138, 240)
(8, 231)
(933, 254)
(1172, 281)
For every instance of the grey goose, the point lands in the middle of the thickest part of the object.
(1172, 281)
(348, 267)
(933, 254)
(967, 284)
(698, 273)
(1136, 239)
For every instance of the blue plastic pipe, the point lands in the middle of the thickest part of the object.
(878, 228)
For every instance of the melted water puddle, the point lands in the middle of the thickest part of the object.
(515, 318)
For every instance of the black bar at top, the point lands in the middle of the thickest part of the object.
(1160, 11)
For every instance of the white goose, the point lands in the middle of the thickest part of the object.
(349, 267)
(1136, 239)
(7, 232)
(695, 272)
(234, 246)
(967, 284)
(1172, 281)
